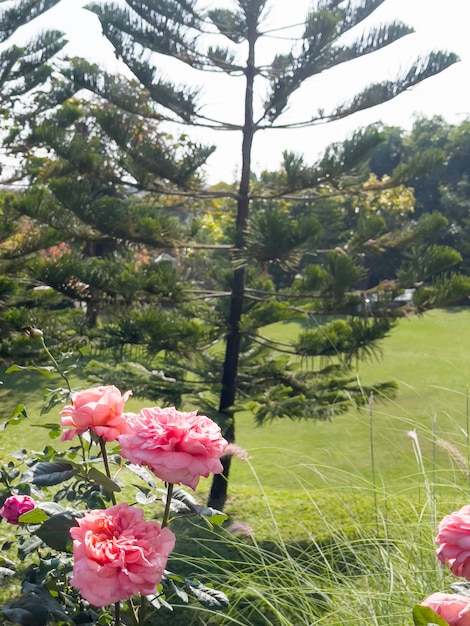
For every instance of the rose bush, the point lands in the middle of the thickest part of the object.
(118, 554)
(15, 506)
(95, 556)
(452, 607)
(177, 447)
(98, 409)
(453, 537)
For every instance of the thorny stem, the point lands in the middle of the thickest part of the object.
(166, 514)
(82, 447)
(38, 333)
(106, 465)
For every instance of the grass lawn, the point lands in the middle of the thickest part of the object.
(429, 359)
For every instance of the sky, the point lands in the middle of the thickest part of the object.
(437, 25)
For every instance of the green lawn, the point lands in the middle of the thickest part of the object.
(429, 357)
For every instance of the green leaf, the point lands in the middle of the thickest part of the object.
(142, 473)
(55, 532)
(181, 502)
(29, 546)
(5, 571)
(107, 483)
(46, 370)
(5, 562)
(143, 499)
(55, 397)
(159, 601)
(53, 428)
(20, 616)
(36, 516)
(18, 415)
(463, 588)
(35, 608)
(182, 595)
(210, 598)
(51, 508)
(48, 474)
(424, 616)
(213, 516)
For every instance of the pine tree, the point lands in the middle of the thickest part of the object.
(83, 229)
(23, 68)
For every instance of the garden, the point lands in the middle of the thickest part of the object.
(329, 522)
(243, 402)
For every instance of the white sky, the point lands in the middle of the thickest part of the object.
(437, 24)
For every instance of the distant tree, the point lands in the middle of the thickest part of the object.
(435, 157)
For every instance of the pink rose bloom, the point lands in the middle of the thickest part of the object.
(454, 608)
(178, 447)
(98, 409)
(118, 554)
(15, 506)
(453, 537)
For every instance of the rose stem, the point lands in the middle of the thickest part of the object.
(106, 466)
(143, 609)
(59, 370)
(56, 365)
(117, 614)
(166, 514)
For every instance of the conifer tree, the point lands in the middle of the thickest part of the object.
(23, 68)
(83, 229)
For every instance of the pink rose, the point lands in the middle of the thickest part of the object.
(118, 554)
(453, 537)
(98, 409)
(15, 506)
(452, 607)
(178, 447)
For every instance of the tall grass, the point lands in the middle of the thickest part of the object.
(353, 553)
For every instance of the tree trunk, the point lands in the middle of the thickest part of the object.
(218, 493)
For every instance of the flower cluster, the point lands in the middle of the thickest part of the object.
(117, 553)
(453, 539)
(177, 447)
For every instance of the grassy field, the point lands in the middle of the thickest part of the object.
(343, 512)
(429, 359)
